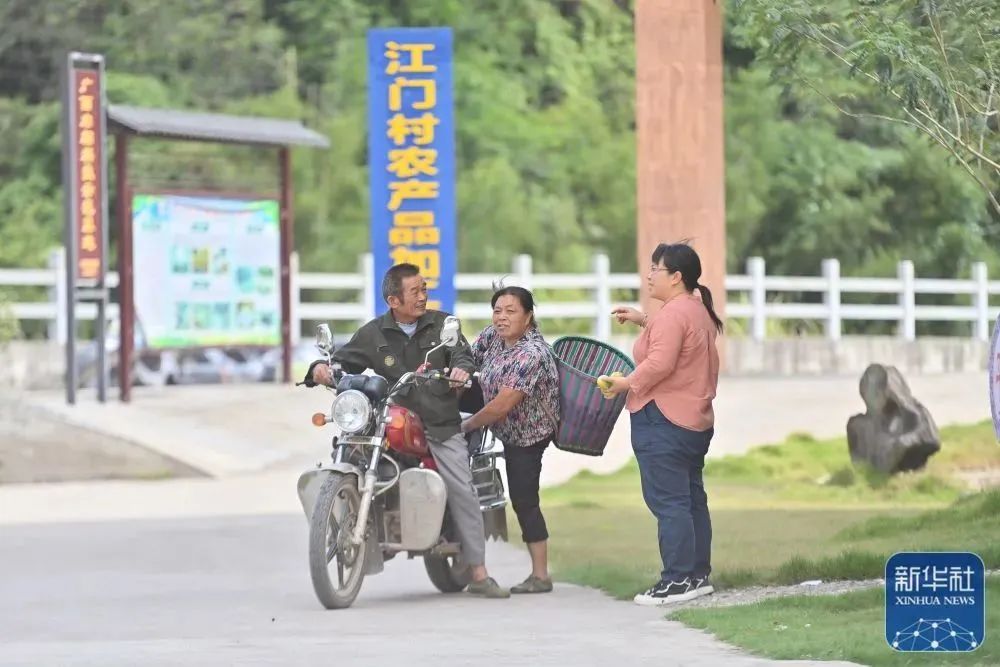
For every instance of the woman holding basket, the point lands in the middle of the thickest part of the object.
(670, 397)
(520, 383)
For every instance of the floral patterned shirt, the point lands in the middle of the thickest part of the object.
(528, 367)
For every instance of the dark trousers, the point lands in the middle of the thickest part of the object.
(671, 460)
(524, 466)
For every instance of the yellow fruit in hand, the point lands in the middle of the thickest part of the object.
(604, 382)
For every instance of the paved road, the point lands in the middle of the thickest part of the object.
(213, 571)
(238, 430)
(235, 590)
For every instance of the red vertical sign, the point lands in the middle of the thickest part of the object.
(88, 141)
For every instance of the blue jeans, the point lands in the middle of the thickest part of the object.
(671, 460)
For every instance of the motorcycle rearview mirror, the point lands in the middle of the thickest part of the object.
(450, 337)
(324, 339)
(450, 331)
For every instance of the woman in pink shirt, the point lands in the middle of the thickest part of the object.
(670, 401)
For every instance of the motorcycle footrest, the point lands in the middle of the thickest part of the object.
(485, 505)
(447, 549)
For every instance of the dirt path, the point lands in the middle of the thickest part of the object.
(37, 446)
(753, 594)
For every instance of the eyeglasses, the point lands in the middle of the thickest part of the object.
(654, 268)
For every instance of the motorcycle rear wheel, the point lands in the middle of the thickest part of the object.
(333, 521)
(447, 573)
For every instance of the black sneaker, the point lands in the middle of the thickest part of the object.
(703, 586)
(667, 592)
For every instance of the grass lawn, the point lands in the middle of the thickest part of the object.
(782, 514)
(844, 627)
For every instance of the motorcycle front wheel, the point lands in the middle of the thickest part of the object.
(337, 567)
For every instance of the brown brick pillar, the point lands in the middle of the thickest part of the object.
(680, 171)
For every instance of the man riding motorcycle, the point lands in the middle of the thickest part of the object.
(397, 343)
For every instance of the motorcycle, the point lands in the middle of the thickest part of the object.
(381, 494)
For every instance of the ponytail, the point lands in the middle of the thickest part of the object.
(706, 298)
(681, 258)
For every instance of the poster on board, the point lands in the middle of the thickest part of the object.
(207, 270)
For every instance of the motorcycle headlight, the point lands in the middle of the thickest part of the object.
(351, 411)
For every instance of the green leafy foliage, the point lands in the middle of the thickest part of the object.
(544, 95)
(931, 67)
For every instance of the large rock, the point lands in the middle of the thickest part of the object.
(897, 432)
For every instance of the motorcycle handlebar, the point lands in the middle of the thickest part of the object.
(413, 377)
(441, 375)
(338, 373)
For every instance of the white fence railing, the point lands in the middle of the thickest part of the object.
(747, 296)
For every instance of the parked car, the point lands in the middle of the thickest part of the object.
(212, 365)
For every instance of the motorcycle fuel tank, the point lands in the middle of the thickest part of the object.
(422, 498)
(405, 432)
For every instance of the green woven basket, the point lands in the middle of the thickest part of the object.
(586, 417)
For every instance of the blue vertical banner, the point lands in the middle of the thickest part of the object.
(411, 153)
(935, 602)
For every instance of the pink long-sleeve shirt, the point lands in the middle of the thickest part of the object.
(678, 364)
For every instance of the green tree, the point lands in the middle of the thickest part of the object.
(9, 329)
(543, 95)
(797, 192)
(934, 65)
(30, 200)
(204, 50)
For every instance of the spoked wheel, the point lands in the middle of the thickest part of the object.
(336, 565)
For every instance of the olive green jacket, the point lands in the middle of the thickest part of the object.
(383, 347)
